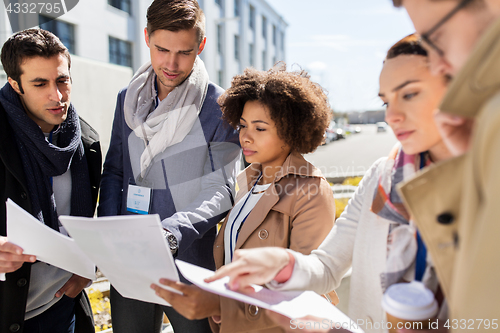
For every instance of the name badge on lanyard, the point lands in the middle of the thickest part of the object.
(138, 199)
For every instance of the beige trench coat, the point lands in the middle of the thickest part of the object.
(456, 204)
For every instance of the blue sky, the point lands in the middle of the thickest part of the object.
(342, 43)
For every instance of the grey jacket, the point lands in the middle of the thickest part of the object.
(193, 181)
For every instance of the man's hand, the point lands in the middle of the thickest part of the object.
(12, 257)
(308, 324)
(73, 286)
(252, 266)
(194, 303)
(455, 131)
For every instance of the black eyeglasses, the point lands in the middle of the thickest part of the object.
(426, 36)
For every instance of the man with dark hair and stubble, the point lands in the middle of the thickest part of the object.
(170, 154)
(455, 204)
(50, 165)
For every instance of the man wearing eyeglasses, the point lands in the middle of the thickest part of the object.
(456, 204)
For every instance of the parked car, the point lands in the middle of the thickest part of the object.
(351, 129)
(381, 127)
(331, 133)
(340, 133)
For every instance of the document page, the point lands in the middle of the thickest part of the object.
(45, 243)
(293, 304)
(130, 250)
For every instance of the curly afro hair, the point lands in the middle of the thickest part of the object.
(298, 106)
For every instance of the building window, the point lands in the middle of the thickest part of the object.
(252, 17)
(236, 47)
(120, 52)
(264, 27)
(63, 30)
(282, 41)
(219, 2)
(236, 8)
(219, 39)
(264, 58)
(275, 60)
(250, 54)
(121, 4)
(275, 35)
(221, 78)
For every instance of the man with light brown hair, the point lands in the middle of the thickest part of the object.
(170, 154)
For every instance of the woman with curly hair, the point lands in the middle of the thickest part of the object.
(375, 235)
(283, 200)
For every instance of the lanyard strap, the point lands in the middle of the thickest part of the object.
(231, 245)
(421, 259)
(157, 100)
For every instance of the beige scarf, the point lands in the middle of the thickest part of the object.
(174, 116)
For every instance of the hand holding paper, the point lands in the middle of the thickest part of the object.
(130, 250)
(11, 257)
(292, 304)
(45, 243)
(194, 302)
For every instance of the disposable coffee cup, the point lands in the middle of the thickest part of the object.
(409, 305)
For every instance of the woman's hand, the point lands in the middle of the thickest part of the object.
(194, 303)
(252, 266)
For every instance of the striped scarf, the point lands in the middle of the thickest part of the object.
(387, 203)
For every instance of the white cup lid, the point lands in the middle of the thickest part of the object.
(410, 301)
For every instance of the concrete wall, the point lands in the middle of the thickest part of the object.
(95, 88)
(4, 33)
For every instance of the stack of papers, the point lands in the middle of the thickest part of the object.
(45, 243)
(132, 253)
(129, 250)
(292, 304)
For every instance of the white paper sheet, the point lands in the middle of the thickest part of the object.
(45, 243)
(130, 250)
(293, 304)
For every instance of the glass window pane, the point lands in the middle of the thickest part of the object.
(236, 47)
(64, 31)
(121, 4)
(252, 17)
(264, 26)
(120, 52)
